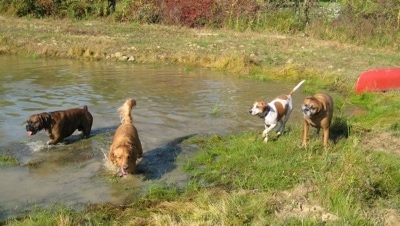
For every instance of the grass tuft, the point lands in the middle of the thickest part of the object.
(7, 160)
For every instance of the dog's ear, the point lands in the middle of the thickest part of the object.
(45, 119)
(111, 156)
(317, 106)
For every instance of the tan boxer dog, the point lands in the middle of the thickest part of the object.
(61, 124)
(318, 112)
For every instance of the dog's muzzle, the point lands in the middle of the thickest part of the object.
(253, 112)
(306, 110)
(260, 114)
(31, 129)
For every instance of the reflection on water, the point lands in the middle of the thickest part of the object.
(172, 104)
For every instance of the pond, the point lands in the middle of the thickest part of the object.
(173, 103)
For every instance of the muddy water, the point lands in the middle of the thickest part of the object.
(172, 104)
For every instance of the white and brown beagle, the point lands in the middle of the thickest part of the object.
(278, 110)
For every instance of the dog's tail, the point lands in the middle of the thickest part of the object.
(125, 111)
(295, 88)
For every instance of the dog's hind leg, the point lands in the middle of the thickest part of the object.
(140, 150)
(279, 131)
(283, 124)
(326, 137)
(86, 132)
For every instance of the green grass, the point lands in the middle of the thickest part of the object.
(378, 109)
(7, 160)
(236, 179)
(346, 179)
(231, 163)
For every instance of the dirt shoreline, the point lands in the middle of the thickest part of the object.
(242, 53)
(237, 52)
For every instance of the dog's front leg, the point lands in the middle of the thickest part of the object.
(306, 127)
(54, 139)
(267, 129)
(326, 137)
(51, 142)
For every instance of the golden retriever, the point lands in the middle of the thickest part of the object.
(126, 147)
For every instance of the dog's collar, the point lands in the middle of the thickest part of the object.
(265, 114)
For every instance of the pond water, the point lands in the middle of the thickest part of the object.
(172, 104)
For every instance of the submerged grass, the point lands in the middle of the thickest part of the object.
(7, 160)
(236, 179)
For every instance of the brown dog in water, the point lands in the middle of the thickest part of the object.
(318, 112)
(61, 124)
(126, 147)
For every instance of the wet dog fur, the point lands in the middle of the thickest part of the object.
(126, 147)
(61, 124)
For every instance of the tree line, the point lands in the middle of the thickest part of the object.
(372, 22)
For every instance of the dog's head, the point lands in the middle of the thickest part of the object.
(124, 158)
(259, 108)
(37, 122)
(311, 106)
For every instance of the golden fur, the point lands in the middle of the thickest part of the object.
(318, 112)
(126, 147)
(61, 124)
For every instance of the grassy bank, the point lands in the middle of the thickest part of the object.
(236, 179)
(257, 55)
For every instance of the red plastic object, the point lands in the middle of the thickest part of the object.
(378, 80)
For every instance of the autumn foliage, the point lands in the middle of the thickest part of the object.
(376, 22)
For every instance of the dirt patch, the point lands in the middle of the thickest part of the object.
(388, 143)
(297, 204)
(381, 141)
(391, 217)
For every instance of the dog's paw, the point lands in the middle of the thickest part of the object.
(120, 174)
(265, 140)
(264, 134)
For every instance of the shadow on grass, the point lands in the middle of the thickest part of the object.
(159, 161)
(339, 129)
